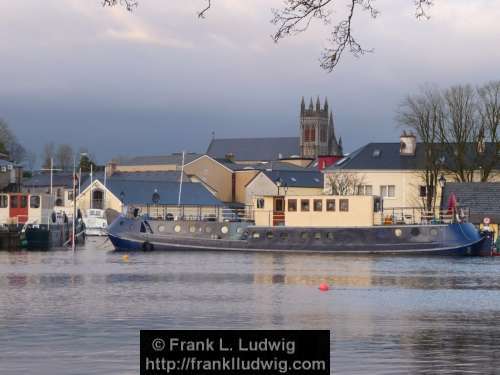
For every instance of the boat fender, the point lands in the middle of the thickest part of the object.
(147, 246)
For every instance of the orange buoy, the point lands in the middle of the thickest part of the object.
(324, 287)
(125, 257)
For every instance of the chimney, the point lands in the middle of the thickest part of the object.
(230, 157)
(407, 144)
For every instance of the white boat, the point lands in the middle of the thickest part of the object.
(95, 222)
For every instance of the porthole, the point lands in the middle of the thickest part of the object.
(161, 228)
(256, 235)
(317, 236)
(224, 230)
(284, 236)
(192, 229)
(398, 232)
(434, 232)
(177, 228)
(304, 235)
(269, 235)
(330, 236)
(415, 232)
(208, 229)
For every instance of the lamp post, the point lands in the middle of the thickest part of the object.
(442, 184)
(279, 183)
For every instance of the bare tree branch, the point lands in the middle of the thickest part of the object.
(128, 4)
(201, 14)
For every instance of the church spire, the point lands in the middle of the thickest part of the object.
(326, 104)
(318, 105)
(311, 107)
(302, 106)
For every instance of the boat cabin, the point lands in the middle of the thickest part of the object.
(315, 210)
(21, 208)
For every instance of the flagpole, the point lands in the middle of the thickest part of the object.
(73, 245)
(181, 178)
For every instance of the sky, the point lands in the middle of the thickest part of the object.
(160, 80)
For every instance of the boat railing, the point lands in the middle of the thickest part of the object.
(419, 216)
(198, 213)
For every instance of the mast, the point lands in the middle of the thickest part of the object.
(180, 182)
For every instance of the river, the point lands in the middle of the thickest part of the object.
(64, 313)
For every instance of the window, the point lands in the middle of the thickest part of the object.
(343, 205)
(426, 191)
(35, 201)
(364, 190)
(279, 205)
(59, 193)
(306, 134)
(292, 205)
(59, 202)
(4, 201)
(330, 205)
(388, 191)
(14, 201)
(70, 195)
(313, 134)
(304, 204)
(24, 201)
(260, 203)
(318, 205)
(323, 135)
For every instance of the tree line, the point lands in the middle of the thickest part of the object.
(63, 156)
(458, 128)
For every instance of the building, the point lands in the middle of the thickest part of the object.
(481, 199)
(394, 171)
(156, 163)
(317, 133)
(10, 176)
(316, 137)
(280, 183)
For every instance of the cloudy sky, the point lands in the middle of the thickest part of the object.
(160, 80)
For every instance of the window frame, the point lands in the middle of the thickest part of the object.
(4, 201)
(343, 205)
(37, 199)
(329, 207)
(261, 203)
(292, 208)
(305, 205)
(315, 203)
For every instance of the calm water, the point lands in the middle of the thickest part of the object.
(64, 313)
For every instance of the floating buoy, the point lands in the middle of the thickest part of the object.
(125, 257)
(324, 287)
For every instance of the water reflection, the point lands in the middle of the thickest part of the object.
(399, 315)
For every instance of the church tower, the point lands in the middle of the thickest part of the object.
(317, 133)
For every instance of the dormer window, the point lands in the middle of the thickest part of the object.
(376, 153)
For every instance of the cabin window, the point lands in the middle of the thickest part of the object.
(292, 205)
(388, 191)
(35, 201)
(318, 205)
(269, 235)
(330, 205)
(330, 236)
(24, 201)
(59, 202)
(256, 235)
(14, 201)
(260, 203)
(304, 204)
(343, 205)
(284, 236)
(304, 235)
(4, 201)
(317, 236)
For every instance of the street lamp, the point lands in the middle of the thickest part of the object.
(442, 184)
(279, 183)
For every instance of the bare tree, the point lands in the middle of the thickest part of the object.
(48, 154)
(423, 113)
(461, 131)
(344, 183)
(296, 16)
(9, 144)
(64, 156)
(489, 137)
(30, 161)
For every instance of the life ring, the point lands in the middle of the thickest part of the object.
(147, 246)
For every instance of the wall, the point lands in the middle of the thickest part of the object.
(360, 212)
(242, 178)
(214, 175)
(84, 199)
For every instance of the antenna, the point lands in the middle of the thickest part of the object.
(181, 178)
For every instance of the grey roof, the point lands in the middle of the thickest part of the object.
(482, 198)
(141, 192)
(386, 156)
(162, 176)
(175, 158)
(308, 179)
(254, 149)
(273, 165)
(43, 180)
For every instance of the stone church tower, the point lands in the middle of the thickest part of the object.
(317, 133)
